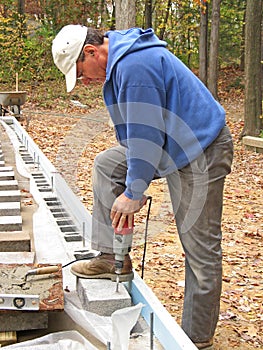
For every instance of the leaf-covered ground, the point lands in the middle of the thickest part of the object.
(55, 125)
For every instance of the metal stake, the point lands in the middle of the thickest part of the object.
(151, 330)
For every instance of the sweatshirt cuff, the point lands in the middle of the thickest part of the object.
(134, 195)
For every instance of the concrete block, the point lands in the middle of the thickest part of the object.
(43, 183)
(61, 215)
(17, 257)
(17, 241)
(10, 223)
(100, 296)
(22, 321)
(68, 228)
(6, 168)
(7, 185)
(10, 208)
(45, 189)
(10, 196)
(38, 175)
(73, 237)
(7, 175)
(65, 222)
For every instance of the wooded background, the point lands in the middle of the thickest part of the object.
(207, 35)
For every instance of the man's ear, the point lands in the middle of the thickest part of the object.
(90, 50)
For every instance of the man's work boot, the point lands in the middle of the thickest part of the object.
(103, 266)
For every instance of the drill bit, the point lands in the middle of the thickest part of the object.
(118, 268)
(117, 283)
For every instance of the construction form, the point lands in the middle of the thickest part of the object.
(43, 224)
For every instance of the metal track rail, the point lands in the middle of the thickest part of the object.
(61, 199)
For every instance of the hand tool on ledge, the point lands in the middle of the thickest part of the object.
(122, 244)
(42, 271)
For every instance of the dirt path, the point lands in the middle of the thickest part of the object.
(241, 321)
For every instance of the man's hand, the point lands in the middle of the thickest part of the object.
(124, 209)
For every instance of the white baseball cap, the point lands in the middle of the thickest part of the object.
(66, 49)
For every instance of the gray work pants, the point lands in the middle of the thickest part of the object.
(196, 193)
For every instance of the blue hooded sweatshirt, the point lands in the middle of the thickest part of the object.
(162, 113)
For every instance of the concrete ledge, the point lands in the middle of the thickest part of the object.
(7, 175)
(17, 257)
(7, 185)
(10, 208)
(15, 242)
(253, 143)
(6, 168)
(99, 296)
(10, 196)
(11, 223)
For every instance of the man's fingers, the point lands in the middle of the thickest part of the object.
(121, 222)
(112, 214)
(130, 221)
(123, 209)
(115, 219)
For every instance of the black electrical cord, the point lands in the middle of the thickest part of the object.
(71, 262)
(149, 198)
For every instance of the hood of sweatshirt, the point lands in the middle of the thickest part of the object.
(123, 42)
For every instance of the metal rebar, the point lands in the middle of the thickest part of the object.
(151, 330)
(52, 183)
(83, 234)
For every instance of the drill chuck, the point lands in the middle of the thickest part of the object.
(122, 246)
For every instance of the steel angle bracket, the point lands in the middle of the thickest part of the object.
(25, 302)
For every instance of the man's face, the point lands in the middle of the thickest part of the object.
(89, 67)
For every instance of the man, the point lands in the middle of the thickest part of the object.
(168, 125)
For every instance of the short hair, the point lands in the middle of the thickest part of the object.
(93, 37)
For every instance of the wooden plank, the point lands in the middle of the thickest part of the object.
(7, 338)
(253, 141)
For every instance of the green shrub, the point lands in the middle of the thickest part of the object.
(25, 51)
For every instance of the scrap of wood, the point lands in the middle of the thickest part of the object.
(7, 338)
(253, 141)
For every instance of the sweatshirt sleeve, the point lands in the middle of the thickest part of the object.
(143, 134)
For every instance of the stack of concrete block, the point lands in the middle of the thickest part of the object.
(12, 237)
(15, 242)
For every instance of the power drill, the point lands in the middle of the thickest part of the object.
(122, 244)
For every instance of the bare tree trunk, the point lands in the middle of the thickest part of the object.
(21, 7)
(253, 69)
(125, 14)
(242, 55)
(166, 18)
(148, 13)
(214, 45)
(203, 41)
